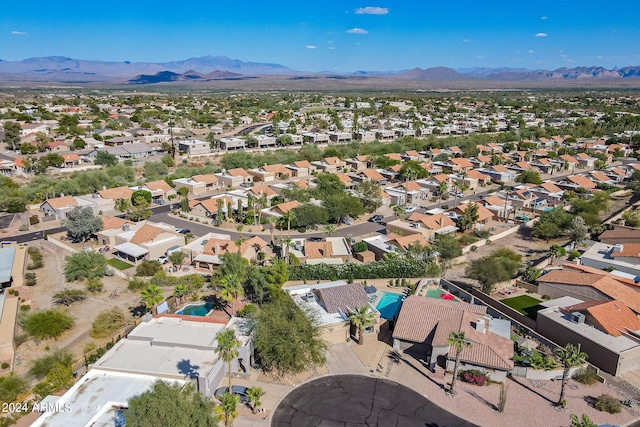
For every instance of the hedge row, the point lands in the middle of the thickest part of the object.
(384, 269)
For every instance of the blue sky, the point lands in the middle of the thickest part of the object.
(330, 35)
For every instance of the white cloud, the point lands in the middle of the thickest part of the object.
(357, 31)
(310, 46)
(543, 18)
(370, 10)
(332, 48)
(465, 40)
(531, 51)
(541, 35)
(18, 33)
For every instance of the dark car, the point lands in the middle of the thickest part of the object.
(376, 218)
(238, 390)
(184, 231)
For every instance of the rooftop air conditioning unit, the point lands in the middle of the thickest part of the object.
(577, 317)
(125, 227)
(309, 297)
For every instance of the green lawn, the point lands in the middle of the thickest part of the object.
(524, 304)
(120, 265)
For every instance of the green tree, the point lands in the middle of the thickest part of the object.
(171, 405)
(557, 251)
(231, 289)
(529, 177)
(84, 265)
(140, 210)
(412, 170)
(106, 159)
(569, 357)
(631, 218)
(155, 169)
(44, 324)
(309, 214)
(545, 230)
(503, 264)
(330, 229)
(176, 258)
(55, 160)
(469, 216)
(168, 161)
(286, 339)
(448, 249)
(227, 349)
(579, 230)
(233, 263)
(139, 195)
(459, 342)
(12, 135)
(227, 409)
(151, 295)
(78, 144)
(82, 224)
(278, 272)
(255, 394)
(342, 205)
(180, 291)
(41, 366)
(289, 217)
(361, 318)
(370, 195)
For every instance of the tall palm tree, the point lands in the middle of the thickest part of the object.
(272, 220)
(398, 211)
(231, 289)
(227, 408)
(151, 295)
(329, 229)
(361, 317)
(289, 216)
(459, 342)
(286, 246)
(240, 227)
(569, 356)
(227, 349)
(254, 394)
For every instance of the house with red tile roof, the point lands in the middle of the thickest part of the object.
(159, 190)
(423, 327)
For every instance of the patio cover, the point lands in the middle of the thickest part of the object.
(527, 343)
(209, 259)
(131, 249)
(448, 229)
(6, 263)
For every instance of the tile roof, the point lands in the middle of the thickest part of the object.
(582, 181)
(277, 168)
(262, 190)
(116, 193)
(412, 153)
(620, 231)
(220, 247)
(462, 162)
(146, 233)
(483, 213)
(72, 157)
(238, 172)
(61, 202)
(432, 222)
(411, 186)
(158, 185)
(372, 174)
(287, 206)
(343, 297)
(568, 158)
(611, 316)
(318, 250)
(344, 178)
(494, 201)
(477, 175)
(551, 187)
(393, 156)
(403, 242)
(303, 183)
(302, 164)
(113, 223)
(207, 178)
(628, 250)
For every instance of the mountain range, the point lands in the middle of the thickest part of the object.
(214, 68)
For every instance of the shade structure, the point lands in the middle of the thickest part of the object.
(527, 343)
(370, 289)
(447, 297)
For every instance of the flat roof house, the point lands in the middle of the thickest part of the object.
(194, 147)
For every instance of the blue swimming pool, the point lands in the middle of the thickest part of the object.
(389, 305)
(196, 309)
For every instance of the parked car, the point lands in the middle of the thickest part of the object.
(410, 209)
(238, 390)
(161, 260)
(184, 230)
(347, 221)
(376, 218)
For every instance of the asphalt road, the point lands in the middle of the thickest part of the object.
(357, 400)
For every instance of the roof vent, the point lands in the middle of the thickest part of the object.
(618, 247)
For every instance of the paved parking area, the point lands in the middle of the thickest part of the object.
(350, 400)
(5, 221)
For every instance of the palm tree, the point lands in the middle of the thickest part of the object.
(569, 356)
(272, 220)
(329, 229)
(227, 408)
(254, 394)
(398, 211)
(240, 227)
(288, 217)
(151, 295)
(227, 349)
(286, 246)
(231, 289)
(361, 318)
(459, 342)
(180, 291)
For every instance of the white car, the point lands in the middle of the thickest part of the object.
(161, 260)
(410, 209)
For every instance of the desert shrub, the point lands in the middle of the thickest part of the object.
(482, 234)
(586, 376)
(248, 310)
(10, 387)
(95, 285)
(5, 365)
(25, 307)
(473, 376)
(573, 255)
(467, 239)
(30, 276)
(41, 367)
(608, 403)
(84, 265)
(43, 324)
(69, 296)
(19, 339)
(148, 268)
(107, 323)
(136, 284)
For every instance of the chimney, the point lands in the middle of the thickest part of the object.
(217, 248)
(104, 187)
(618, 247)
(480, 325)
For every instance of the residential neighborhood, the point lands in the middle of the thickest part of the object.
(466, 247)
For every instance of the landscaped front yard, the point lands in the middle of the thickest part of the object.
(119, 264)
(524, 304)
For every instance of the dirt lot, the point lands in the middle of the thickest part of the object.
(51, 280)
